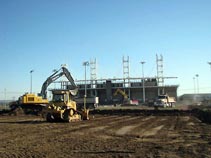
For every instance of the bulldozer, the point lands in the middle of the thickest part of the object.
(34, 104)
(64, 108)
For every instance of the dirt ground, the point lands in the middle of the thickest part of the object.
(170, 136)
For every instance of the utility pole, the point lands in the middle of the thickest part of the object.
(85, 64)
(209, 64)
(142, 63)
(31, 81)
(197, 80)
(194, 85)
(5, 97)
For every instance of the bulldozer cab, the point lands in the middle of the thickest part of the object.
(58, 98)
(61, 96)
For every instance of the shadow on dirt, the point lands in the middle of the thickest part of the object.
(24, 122)
(143, 112)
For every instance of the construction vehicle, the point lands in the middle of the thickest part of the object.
(29, 103)
(164, 101)
(64, 108)
(32, 103)
(125, 98)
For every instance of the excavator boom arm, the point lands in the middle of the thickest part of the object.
(54, 77)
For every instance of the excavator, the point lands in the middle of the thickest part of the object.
(122, 93)
(29, 104)
(33, 104)
(65, 109)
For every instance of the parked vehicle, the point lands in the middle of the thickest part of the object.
(164, 101)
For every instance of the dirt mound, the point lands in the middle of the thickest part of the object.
(142, 112)
(13, 112)
(203, 115)
(3, 112)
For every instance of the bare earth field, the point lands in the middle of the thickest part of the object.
(169, 136)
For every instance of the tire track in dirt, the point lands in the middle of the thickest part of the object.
(77, 128)
(127, 130)
(122, 127)
(106, 136)
(105, 127)
(93, 125)
(151, 127)
(110, 119)
(115, 126)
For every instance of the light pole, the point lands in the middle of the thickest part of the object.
(85, 64)
(5, 97)
(194, 85)
(31, 80)
(142, 63)
(197, 80)
(209, 64)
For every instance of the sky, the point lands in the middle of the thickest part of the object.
(43, 34)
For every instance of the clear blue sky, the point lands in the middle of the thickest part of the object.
(43, 34)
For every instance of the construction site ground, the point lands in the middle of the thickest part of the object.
(108, 133)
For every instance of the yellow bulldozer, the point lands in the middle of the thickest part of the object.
(64, 108)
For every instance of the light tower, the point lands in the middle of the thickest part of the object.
(31, 81)
(197, 82)
(126, 73)
(93, 69)
(85, 64)
(194, 85)
(160, 78)
(209, 64)
(126, 70)
(142, 63)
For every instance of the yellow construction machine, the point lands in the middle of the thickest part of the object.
(121, 92)
(34, 104)
(31, 99)
(64, 108)
(29, 103)
(125, 98)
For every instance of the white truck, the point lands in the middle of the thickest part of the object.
(164, 101)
